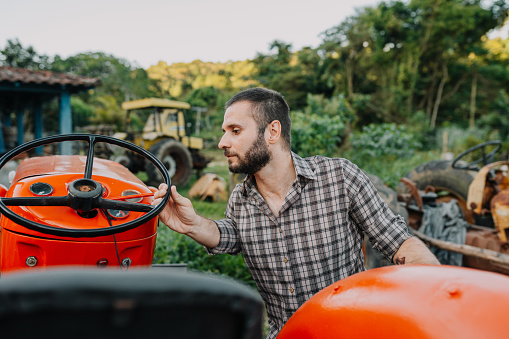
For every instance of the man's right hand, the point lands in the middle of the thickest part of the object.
(180, 216)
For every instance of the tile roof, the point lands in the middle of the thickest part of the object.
(25, 76)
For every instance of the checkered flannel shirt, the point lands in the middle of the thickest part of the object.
(317, 238)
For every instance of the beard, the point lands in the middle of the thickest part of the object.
(256, 157)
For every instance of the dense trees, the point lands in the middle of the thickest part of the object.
(397, 62)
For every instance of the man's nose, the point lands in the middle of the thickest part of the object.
(223, 143)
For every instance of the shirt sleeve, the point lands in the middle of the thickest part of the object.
(385, 230)
(229, 241)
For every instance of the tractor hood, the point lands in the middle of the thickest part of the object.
(69, 164)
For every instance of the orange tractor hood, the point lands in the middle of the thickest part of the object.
(61, 170)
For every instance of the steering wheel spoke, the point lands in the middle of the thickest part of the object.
(36, 201)
(124, 205)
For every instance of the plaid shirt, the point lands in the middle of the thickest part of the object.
(317, 238)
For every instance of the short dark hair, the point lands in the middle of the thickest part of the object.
(268, 105)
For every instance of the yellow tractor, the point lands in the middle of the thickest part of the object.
(164, 135)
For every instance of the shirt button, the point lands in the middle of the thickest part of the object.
(280, 230)
(285, 260)
(291, 289)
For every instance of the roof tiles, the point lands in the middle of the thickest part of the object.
(26, 76)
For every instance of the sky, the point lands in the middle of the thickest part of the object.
(145, 32)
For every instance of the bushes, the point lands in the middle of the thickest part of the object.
(384, 140)
(322, 126)
(175, 248)
(387, 151)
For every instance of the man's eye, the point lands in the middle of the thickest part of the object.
(236, 131)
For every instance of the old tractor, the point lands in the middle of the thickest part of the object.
(165, 135)
(77, 209)
(480, 186)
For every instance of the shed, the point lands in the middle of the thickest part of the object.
(27, 90)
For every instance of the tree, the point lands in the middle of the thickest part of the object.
(414, 56)
(15, 55)
(293, 74)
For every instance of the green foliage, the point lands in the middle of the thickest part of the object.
(82, 112)
(388, 151)
(174, 248)
(203, 97)
(391, 168)
(15, 55)
(322, 126)
(120, 79)
(108, 112)
(380, 141)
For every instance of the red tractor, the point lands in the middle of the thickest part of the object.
(71, 226)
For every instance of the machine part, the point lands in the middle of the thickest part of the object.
(445, 179)
(101, 263)
(500, 213)
(126, 262)
(414, 193)
(175, 157)
(485, 159)
(41, 188)
(84, 195)
(31, 261)
(127, 193)
(118, 214)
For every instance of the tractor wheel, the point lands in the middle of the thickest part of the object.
(177, 160)
(450, 183)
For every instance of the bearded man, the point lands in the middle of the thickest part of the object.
(299, 222)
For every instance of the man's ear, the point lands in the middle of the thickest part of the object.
(274, 129)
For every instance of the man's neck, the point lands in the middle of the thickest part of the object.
(275, 179)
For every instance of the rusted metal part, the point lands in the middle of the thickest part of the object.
(500, 213)
(485, 238)
(414, 193)
(481, 190)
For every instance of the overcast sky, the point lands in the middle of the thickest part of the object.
(146, 31)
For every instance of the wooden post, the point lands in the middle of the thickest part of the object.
(477, 252)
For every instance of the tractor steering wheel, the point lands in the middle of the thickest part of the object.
(84, 194)
(485, 158)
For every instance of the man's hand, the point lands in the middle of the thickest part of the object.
(180, 216)
(412, 252)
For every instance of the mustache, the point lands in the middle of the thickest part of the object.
(228, 153)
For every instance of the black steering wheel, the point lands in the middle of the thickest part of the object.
(84, 194)
(485, 158)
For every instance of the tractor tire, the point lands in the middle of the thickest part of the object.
(177, 160)
(443, 178)
(440, 174)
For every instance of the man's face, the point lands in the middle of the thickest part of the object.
(242, 142)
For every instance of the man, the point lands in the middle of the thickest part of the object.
(299, 223)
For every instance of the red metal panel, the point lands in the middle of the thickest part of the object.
(439, 302)
(16, 248)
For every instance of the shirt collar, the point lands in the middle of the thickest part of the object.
(302, 168)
